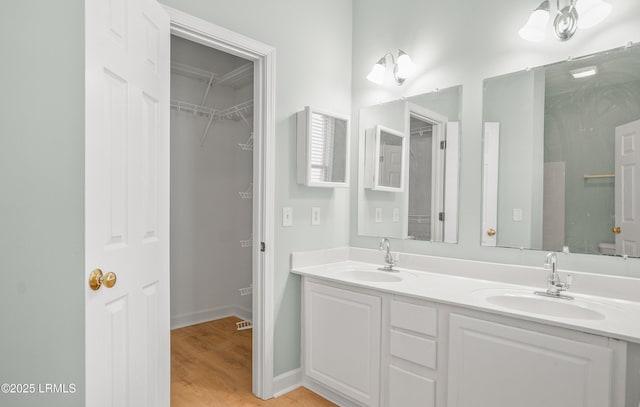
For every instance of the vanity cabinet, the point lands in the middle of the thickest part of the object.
(499, 365)
(412, 354)
(368, 348)
(342, 341)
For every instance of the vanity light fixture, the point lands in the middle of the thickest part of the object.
(578, 14)
(403, 67)
(584, 72)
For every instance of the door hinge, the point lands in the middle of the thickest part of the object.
(441, 216)
(443, 144)
(262, 247)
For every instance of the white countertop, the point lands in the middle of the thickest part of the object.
(621, 317)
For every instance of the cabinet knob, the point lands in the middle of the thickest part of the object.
(616, 229)
(491, 232)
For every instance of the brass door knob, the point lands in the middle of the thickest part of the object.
(491, 232)
(97, 279)
(616, 229)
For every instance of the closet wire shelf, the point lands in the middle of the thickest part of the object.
(237, 112)
(248, 146)
(246, 290)
(237, 78)
(248, 194)
(247, 243)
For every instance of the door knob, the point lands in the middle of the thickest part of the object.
(97, 279)
(491, 232)
(616, 229)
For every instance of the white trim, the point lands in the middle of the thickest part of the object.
(329, 394)
(286, 382)
(452, 182)
(263, 57)
(211, 314)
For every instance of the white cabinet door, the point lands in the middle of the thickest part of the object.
(497, 365)
(342, 341)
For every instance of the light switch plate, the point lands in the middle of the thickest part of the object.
(315, 216)
(396, 214)
(287, 216)
(378, 215)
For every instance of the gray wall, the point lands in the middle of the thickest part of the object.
(588, 147)
(42, 199)
(514, 102)
(313, 67)
(453, 43)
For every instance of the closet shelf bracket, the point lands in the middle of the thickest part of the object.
(248, 146)
(246, 243)
(248, 194)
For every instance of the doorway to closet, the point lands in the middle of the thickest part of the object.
(211, 215)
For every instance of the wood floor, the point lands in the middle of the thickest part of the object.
(211, 366)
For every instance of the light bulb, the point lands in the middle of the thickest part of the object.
(534, 29)
(405, 67)
(377, 72)
(592, 12)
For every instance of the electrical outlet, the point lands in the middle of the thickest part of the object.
(315, 216)
(517, 215)
(287, 216)
(396, 214)
(378, 215)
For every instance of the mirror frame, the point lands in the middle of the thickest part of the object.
(303, 148)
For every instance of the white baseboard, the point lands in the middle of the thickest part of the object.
(286, 382)
(328, 394)
(211, 314)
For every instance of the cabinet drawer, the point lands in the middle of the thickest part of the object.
(417, 318)
(407, 389)
(413, 348)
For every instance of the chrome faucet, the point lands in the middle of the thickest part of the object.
(555, 285)
(389, 261)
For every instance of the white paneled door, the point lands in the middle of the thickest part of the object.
(127, 203)
(627, 189)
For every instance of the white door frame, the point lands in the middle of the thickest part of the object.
(439, 123)
(263, 56)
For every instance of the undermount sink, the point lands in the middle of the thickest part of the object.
(373, 276)
(529, 302)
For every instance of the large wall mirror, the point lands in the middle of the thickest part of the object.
(412, 145)
(562, 155)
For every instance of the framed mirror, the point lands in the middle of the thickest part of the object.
(322, 148)
(562, 155)
(386, 151)
(425, 203)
